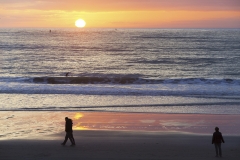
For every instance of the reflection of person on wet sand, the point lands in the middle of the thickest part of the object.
(217, 139)
(69, 132)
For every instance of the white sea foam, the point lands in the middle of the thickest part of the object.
(163, 89)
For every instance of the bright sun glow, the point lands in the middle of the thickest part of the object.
(78, 115)
(80, 23)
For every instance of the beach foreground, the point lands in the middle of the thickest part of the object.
(121, 145)
(115, 135)
(106, 135)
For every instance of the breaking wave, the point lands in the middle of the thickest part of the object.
(128, 80)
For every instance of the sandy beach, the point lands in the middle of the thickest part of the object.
(40, 141)
(121, 145)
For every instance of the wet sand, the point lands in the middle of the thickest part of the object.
(102, 135)
(102, 145)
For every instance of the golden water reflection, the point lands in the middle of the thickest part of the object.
(192, 123)
(38, 124)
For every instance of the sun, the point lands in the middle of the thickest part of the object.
(80, 23)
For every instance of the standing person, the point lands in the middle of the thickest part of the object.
(217, 139)
(69, 132)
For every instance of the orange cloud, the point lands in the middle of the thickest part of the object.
(121, 14)
(123, 5)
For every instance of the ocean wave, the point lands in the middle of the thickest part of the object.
(173, 108)
(117, 79)
(201, 90)
(137, 105)
(129, 80)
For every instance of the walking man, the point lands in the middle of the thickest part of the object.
(69, 132)
(217, 139)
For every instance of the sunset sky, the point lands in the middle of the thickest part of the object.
(121, 13)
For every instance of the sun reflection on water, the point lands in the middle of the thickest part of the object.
(78, 115)
(17, 125)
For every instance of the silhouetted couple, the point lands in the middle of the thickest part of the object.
(217, 139)
(69, 132)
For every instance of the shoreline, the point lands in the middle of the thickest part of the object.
(18, 125)
(104, 111)
(38, 135)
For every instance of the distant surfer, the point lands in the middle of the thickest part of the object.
(67, 74)
(50, 31)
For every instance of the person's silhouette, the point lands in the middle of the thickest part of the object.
(217, 139)
(69, 132)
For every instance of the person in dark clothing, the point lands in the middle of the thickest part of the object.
(217, 139)
(69, 132)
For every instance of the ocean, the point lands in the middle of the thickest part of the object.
(190, 71)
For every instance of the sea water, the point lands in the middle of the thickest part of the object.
(120, 70)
